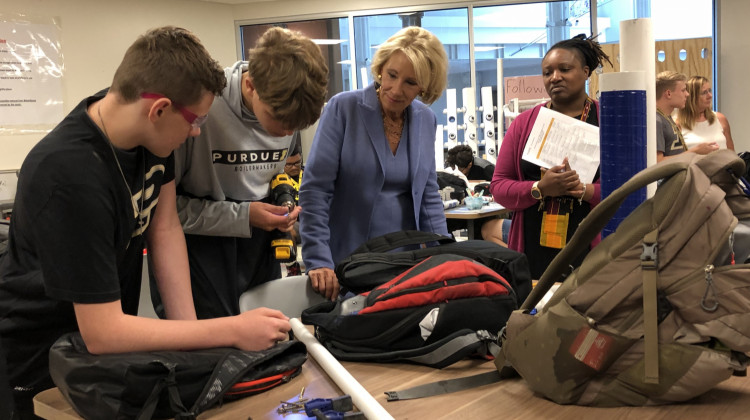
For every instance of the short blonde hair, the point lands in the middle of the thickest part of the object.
(290, 75)
(667, 80)
(427, 55)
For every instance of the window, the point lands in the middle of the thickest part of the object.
(332, 35)
(682, 29)
(450, 26)
(511, 40)
(671, 19)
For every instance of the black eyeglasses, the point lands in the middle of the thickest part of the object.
(298, 163)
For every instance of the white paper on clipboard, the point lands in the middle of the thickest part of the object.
(556, 136)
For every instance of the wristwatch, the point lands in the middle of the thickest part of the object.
(536, 192)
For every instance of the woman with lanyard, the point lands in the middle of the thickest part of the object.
(549, 203)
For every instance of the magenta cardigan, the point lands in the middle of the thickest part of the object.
(508, 186)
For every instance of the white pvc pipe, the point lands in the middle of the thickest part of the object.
(364, 72)
(361, 398)
(638, 53)
(500, 105)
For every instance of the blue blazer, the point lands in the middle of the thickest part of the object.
(344, 172)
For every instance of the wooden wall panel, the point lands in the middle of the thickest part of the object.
(698, 60)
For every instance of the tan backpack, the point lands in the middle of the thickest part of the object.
(656, 313)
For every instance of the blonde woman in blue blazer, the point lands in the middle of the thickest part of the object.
(371, 169)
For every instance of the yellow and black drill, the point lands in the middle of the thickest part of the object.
(284, 194)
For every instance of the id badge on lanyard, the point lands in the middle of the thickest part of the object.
(555, 218)
(556, 210)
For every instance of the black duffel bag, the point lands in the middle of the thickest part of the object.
(373, 263)
(166, 384)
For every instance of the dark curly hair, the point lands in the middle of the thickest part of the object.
(460, 156)
(587, 49)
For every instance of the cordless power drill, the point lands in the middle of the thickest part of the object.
(284, 194)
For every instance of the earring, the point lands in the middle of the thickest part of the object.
(380, 77)
(422, 94)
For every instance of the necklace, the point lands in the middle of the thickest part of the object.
(136, 208)
(393, 129)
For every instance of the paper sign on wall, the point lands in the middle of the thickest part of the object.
(30, 74)
(524, 87)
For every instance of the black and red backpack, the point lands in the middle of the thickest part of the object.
(439, 311)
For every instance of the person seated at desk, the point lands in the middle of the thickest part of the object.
(549, 203)
(478, 169)
(371, 170)
(474, 167)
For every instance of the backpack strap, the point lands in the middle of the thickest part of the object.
(444, 387)
(394, 240)
(456, 384)
(376, 251)
(650, 271)
(457, 348)
(175, 402)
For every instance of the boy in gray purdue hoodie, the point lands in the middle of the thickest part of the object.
(223, 175)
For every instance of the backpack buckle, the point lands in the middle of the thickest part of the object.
(485, 335)
(649, 256)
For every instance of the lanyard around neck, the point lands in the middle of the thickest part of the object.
(584, 112)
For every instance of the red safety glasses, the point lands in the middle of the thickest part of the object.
(194, 120)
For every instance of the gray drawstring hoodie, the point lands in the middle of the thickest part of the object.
(230, 164)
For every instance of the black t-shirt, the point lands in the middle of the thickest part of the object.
(75, 236)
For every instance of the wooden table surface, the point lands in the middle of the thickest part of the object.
(510, 399)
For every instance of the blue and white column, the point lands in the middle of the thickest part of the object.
(622, 137)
